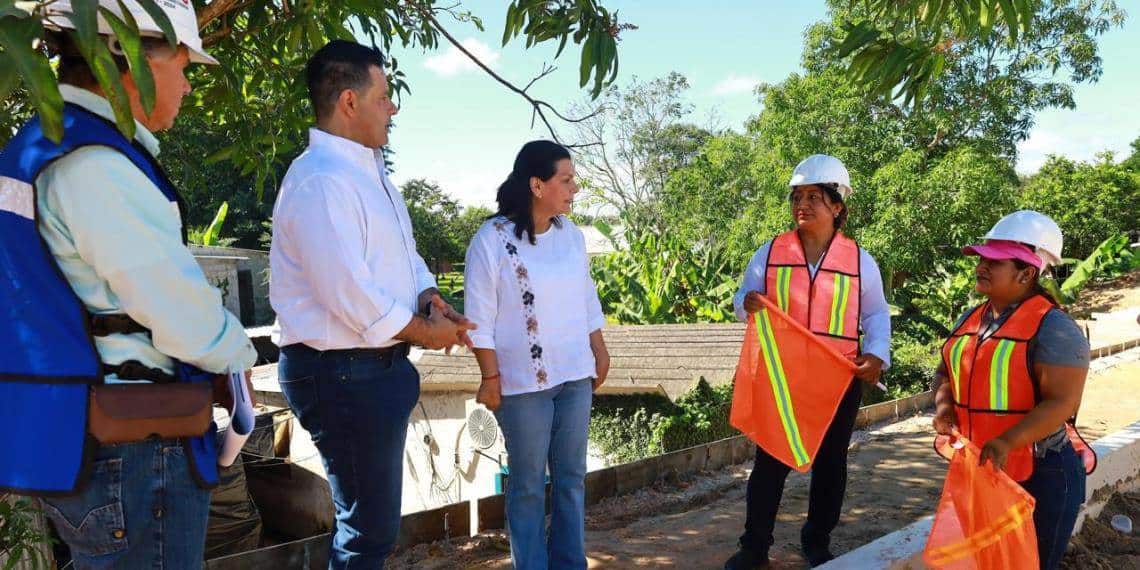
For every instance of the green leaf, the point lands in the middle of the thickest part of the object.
(94, 48)
(33, 67)
(509, 26)
(127, 33)
(221, 154)
(587, 62)
(9, 78)
(210, 237)
(159, 16)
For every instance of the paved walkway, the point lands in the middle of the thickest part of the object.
(894, 479)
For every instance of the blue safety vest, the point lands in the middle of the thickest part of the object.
(48, 359)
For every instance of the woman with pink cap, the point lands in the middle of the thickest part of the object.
(1012, 374)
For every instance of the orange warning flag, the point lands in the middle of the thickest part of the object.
(788, 387)
(984, 520)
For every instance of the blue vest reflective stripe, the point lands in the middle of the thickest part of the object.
(48, 361)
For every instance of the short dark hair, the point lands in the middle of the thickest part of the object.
(73, 68)
(338, 66)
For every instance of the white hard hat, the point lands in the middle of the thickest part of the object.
(180, 12)
(822, 169)
(1034, 229)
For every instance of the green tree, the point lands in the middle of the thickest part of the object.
(468, 222)
(254, 97)
(824, 112)
(732, 194)
(1132, 163)
(904, 48)
(915, 213)
(205, 188)
(991, 80)
(644, 137)
(1091, 201)
(433, 213)
(442, 228)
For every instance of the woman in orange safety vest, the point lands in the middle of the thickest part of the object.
(825, 281)
(1012, 375)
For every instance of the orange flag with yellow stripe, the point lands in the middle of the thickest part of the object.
(984, 519)
(788, 386)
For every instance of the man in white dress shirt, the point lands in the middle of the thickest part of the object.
(351, 294)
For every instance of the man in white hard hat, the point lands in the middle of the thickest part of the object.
(106, 386)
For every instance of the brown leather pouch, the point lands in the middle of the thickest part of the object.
(125, 413)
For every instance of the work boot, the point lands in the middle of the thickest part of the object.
(817, 554)
(747, 559)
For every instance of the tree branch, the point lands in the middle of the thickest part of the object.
(215, 10)
(537, 104)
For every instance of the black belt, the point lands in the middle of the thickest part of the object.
(135, 370)
(106, 325)
(389, 352)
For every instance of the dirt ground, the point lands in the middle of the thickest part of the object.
(1120, 293)
(1101, 547)
(894, 479)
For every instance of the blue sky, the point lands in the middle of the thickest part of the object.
(461, 129)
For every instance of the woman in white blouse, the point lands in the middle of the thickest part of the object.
(540, 349)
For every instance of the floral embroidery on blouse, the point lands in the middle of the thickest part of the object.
(530, 319)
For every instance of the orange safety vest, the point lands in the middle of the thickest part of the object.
(994, 385)
(827, 304)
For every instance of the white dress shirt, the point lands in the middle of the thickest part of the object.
(118, 241)
(566, 304)
(344, 267)
(874, 312)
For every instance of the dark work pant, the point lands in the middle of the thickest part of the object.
(1058, 484)
(828, 483)
(355, 405)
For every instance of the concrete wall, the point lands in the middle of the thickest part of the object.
(222, 272)
(256, 263)
(436, 432)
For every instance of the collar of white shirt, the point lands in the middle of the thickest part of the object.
(352, 150)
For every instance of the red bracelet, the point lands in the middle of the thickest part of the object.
(491, 377)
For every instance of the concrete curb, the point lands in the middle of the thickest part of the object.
(456, 520)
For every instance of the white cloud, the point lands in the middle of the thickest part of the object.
(453, 62)
(1034, 151)
(735, 84)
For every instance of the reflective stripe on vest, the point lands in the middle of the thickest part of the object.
(956, 365)
(839, 298)
(782, 394)
(828, 303)
(999, 375)
(783, 283)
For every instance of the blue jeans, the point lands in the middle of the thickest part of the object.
(1058, 484)
(140, 509)
(355, 404)
(547, 428)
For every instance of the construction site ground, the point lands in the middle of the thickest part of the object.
(894, 479)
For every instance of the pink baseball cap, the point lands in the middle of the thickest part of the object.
(1005, 249)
